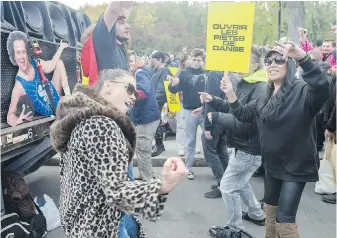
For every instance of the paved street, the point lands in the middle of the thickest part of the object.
(189, 215)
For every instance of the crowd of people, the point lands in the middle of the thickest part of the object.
(270, 121)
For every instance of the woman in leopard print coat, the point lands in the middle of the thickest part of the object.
(97, 141)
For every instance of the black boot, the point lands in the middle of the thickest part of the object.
(159, 147)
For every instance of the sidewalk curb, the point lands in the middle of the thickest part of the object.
(156, 162)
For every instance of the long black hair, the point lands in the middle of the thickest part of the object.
(270, 104)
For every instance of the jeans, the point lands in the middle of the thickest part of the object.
(145, 135)
(285, 195)
(235, 184)
(192, 124)
(215, 152)
(181, 131)
(128, 227)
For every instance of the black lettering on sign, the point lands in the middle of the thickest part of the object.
(228, 35)
(173, 99)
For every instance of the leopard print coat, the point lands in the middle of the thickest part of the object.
(97, 142)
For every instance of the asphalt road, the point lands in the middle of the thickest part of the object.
(189, 215)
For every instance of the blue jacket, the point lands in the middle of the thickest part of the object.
(146, 110)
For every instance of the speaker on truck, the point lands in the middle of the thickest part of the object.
(61, 25)
(7, 15)
(82, 22)
(37, 22)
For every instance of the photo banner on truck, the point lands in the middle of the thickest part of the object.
(229, 36)
(173, 100)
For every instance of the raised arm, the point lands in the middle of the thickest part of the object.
(244, 113)
(319, 85)
(50, 65)
(114, 10)
(305, 44)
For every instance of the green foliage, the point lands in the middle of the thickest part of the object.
(169, 26)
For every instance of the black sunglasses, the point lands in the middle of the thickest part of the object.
(130, 89)
(277, 59)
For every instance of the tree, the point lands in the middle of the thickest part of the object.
(296, 18)
(169, 26)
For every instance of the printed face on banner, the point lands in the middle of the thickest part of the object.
(229, 36)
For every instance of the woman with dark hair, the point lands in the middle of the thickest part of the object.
(285, 118)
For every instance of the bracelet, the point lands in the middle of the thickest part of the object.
(306, 57)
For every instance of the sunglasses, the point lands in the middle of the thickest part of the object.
(130, 89)
(277, 59)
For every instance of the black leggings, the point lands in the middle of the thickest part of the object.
(285, 195)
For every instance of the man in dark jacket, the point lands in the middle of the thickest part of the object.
(214, 138)
(191, 81)
(158, 78)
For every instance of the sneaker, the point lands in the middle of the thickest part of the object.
(197, 151)
(181, 152)
(214, 186)
(215, 193)
(256, 222)
(190, 175)
(330, 198)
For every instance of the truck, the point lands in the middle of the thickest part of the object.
(26, 147)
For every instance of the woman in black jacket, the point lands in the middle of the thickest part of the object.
(285, 118)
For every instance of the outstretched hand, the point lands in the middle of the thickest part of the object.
(205, 97)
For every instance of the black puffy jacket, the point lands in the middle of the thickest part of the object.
(242, 136)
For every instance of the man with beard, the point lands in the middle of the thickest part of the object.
(105, 44)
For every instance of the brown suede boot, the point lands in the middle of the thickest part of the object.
(286, 230)
(270, 216)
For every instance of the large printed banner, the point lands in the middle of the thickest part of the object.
(229, 36)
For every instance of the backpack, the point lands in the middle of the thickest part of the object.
(23, 218)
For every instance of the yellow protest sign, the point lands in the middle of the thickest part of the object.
(229, 36)
(173, 100)
(173, 70)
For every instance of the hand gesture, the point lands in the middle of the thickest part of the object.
(175, 81)
(197, 112)
(23, 116)
(226, 86)
(208, 135)
(291, 50)
(63, 45)
(174, 171)
(209, 116)
(205, 97)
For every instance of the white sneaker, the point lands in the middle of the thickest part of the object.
(181, 152)
(190, 175)
(197, 151)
